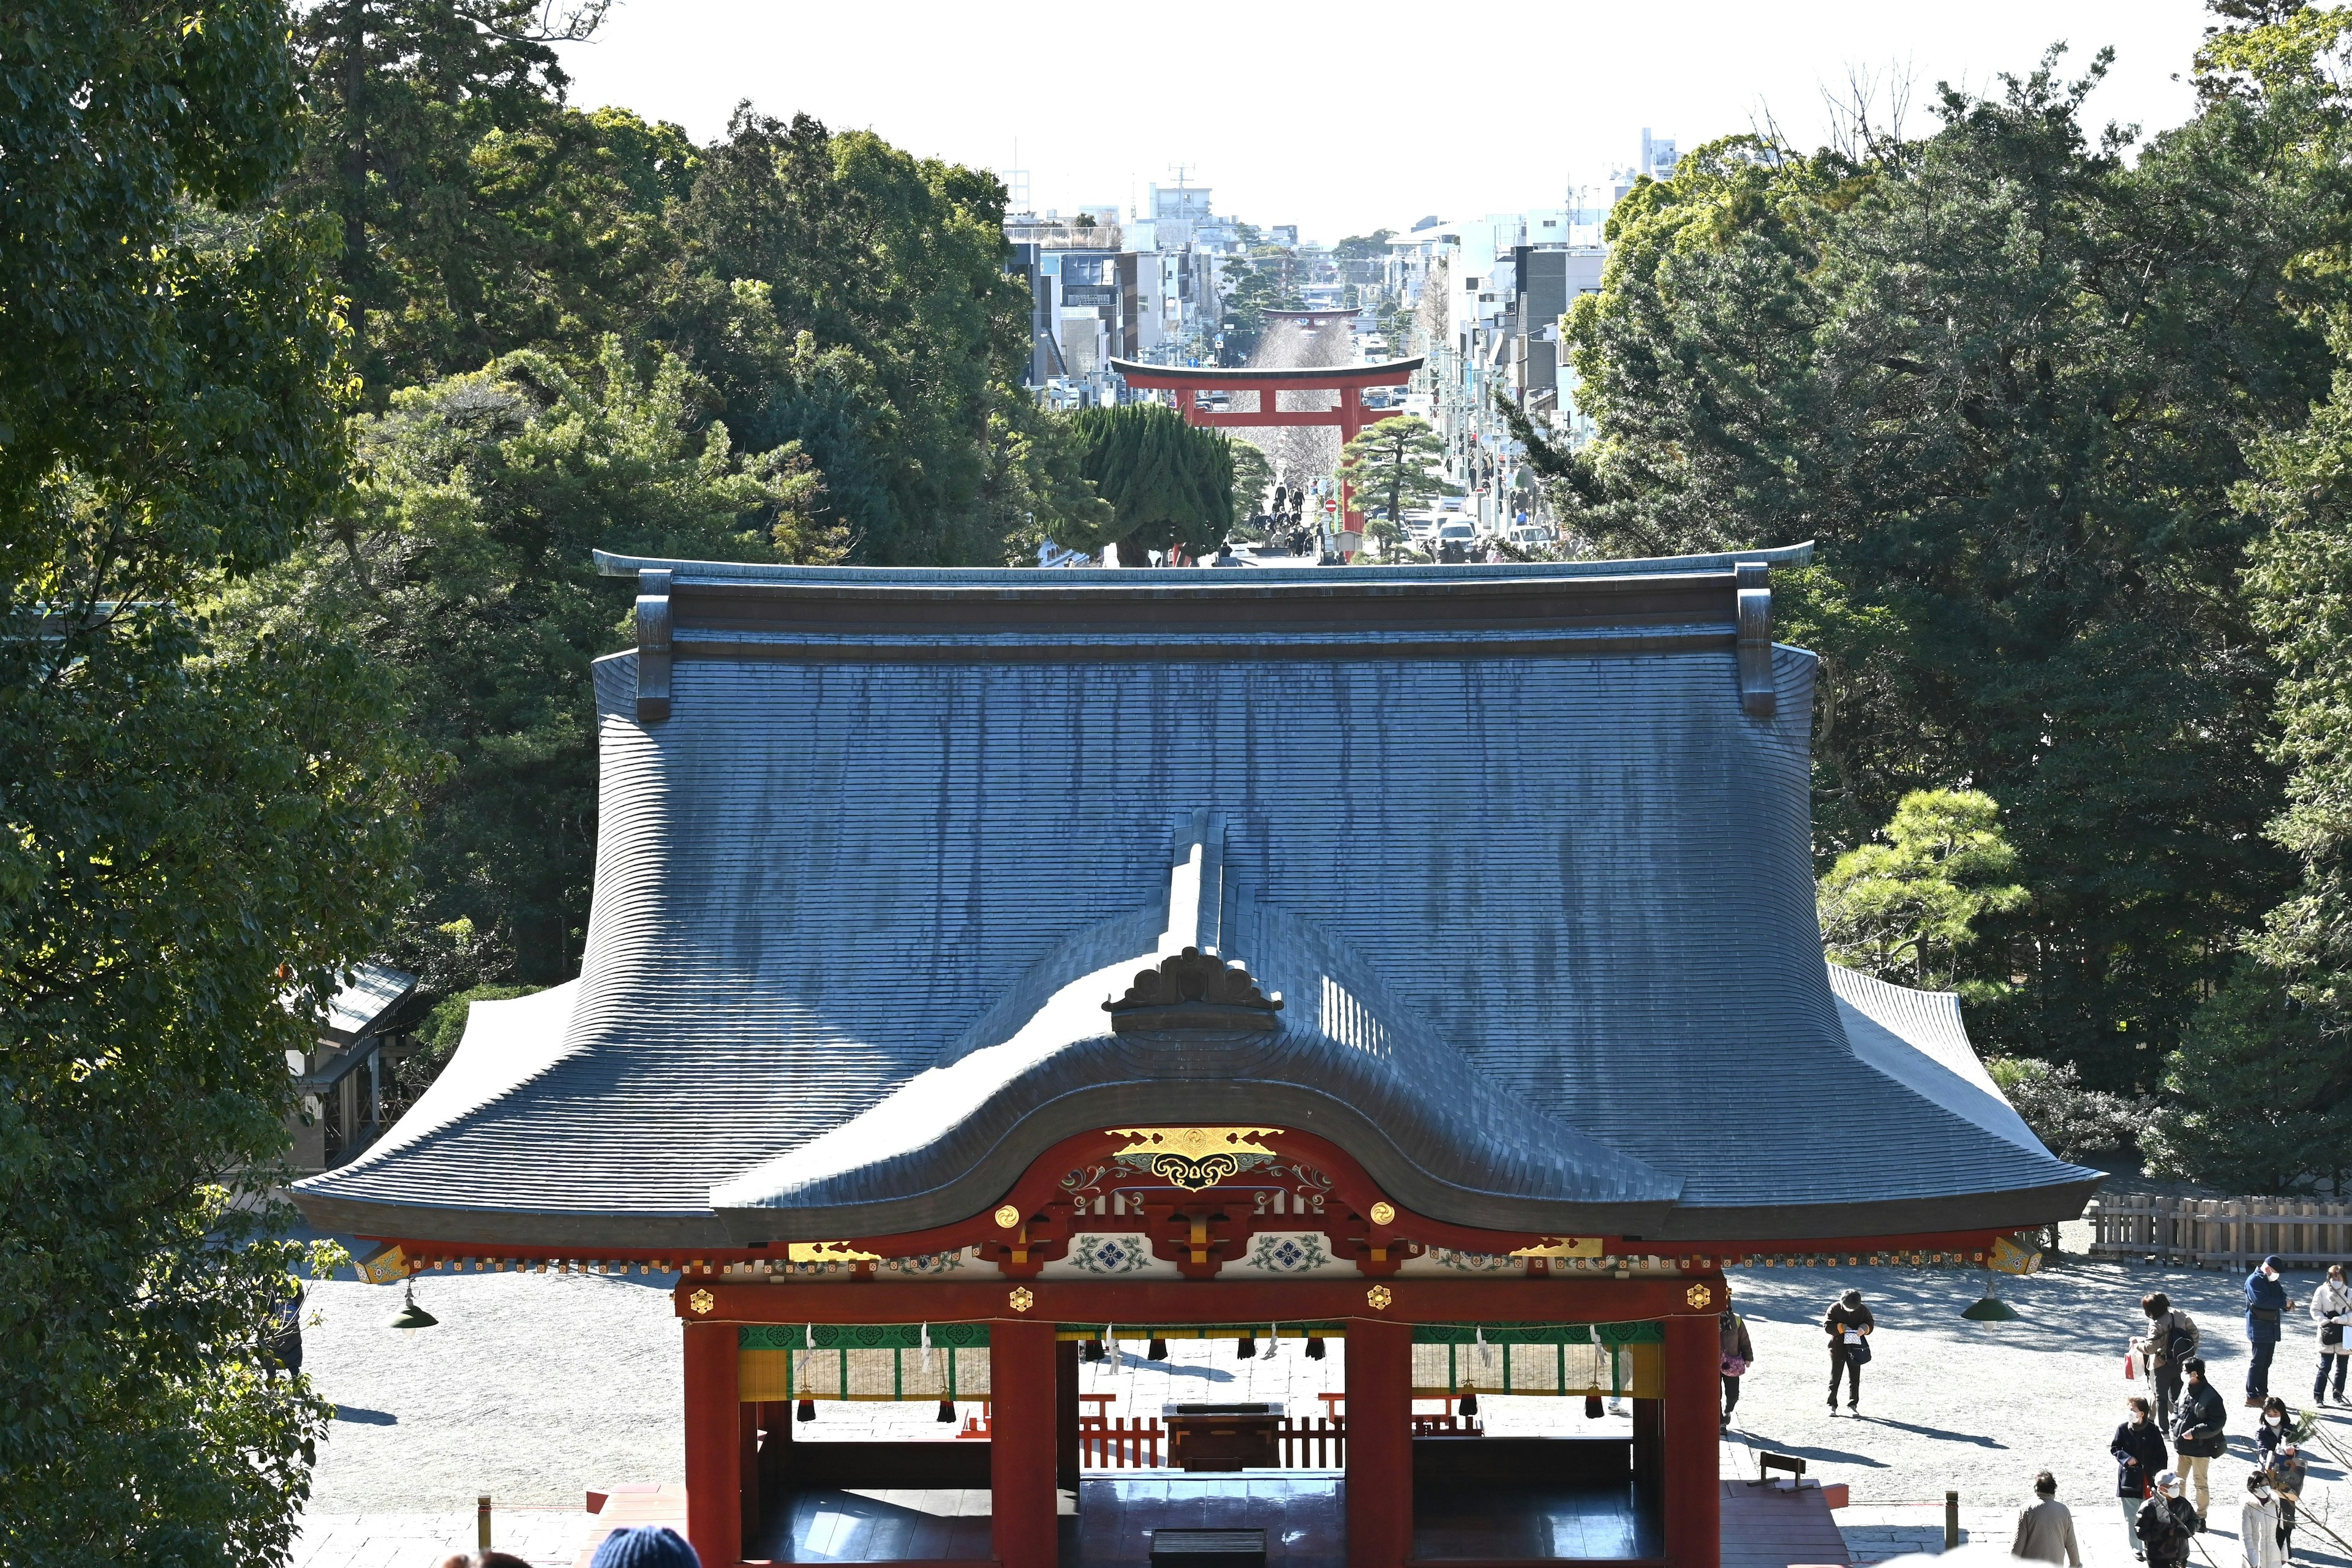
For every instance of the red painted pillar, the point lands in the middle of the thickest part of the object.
(1021, 1447)
(1380, 1444)
(1188, 403)
(1694, 1487)
(714, 1480)
(1351, 424)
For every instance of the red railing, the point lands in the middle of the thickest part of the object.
(1118, 1443)
(1314, 1444)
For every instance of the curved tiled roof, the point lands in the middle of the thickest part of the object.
(1525, 850)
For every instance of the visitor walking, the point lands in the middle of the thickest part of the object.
(1738, 1352)
(2196, 1430)
(2165, 1525)
(2171, 1338)
(2331, 1309)
(2262, 1534)
(2140, 1457)
(2046, 1529)
(1849, 1325)
(2266, 1307)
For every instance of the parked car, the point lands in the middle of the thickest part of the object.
(1533, 535)
(1449, 504)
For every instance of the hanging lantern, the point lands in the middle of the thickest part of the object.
(807, 1411)
(412, 1316)
(1157, 1350)
(1592, 1407)
(1091, 1350)
(1246, 1347)
(947, 1410)
(1314, 1347)
(1469, 1406)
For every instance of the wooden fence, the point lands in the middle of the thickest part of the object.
(2220, 1233)
(1123, 1443)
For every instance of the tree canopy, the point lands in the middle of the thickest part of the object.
(1167, 482)
(2008, 376)
(203, 825)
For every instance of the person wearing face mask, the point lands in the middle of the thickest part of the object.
(2285, 1467)
(2197, 1424)
(2171, 1340)
(2140, 1457)
(2165, 1524)
(2261, 1535)
(2266, 1307)
(2331, 1309)
(1849, 1325)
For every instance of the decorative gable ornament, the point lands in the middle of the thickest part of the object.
(1194, 990)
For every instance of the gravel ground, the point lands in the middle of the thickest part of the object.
(534, 1388)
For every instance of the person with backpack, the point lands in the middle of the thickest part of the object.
(2331, 1309)
(2197, 1431)
(2171, 1338)
(2140, 1457)
(1849, 1325)
(1738, 1353)
(2165, 1524)
(2266, 1307)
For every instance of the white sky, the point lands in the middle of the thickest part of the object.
(1341, 118)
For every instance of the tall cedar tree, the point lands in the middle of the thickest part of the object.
(198, 827)
(1168, 482)
(2007, 379)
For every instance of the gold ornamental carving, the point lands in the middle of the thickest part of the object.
(1699, 1296)
(1195, 1158)
(702, 1301)
(1561, 1247)
(1007, 1218)
(1022, 1300)
(826, 1252)
(1379, 1297)
(1384, 1213)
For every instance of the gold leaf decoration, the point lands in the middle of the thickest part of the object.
(1699, 1296)
(1020, 1298)
(1195, 1158)
(1379, 1295)
(702, 1301)
(1007, 1218)
(1384, 1213)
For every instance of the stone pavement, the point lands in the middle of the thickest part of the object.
(535, 1388)
(546, 1538)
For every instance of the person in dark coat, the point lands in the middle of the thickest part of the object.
(2166, 1526)
(2140, 1457)
(1849, 1324)
(2196, 1430)
(2285, 1464)
(1738, 1352)
(2267, 1308)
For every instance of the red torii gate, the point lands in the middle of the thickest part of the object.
(1348, 381)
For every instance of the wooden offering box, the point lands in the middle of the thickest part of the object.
(1222, 1437)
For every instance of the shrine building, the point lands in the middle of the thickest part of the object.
(1415, 964)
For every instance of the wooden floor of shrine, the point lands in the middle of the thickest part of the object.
(1303, 1513)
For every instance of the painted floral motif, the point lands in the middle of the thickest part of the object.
(1285, 1253)
(928, 1263)
(1474, 1262)
(1110, 1253)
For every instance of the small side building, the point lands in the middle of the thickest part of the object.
(346, 1077)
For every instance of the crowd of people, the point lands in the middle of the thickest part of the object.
(2165, 1447)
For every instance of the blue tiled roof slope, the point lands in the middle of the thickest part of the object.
(1543, 912)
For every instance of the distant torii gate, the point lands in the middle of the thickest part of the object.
(1348, 381)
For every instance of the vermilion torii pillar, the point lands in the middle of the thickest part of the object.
(1348, 381)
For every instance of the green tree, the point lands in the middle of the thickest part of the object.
(478, 215)
(199, 827)
(1395, 462)
(1372, 247)
(1168, 482)
(2257, 1097)
(1904, 907)
(2007, 378)
(464, 568)
(1252, 480)
(844, 295)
